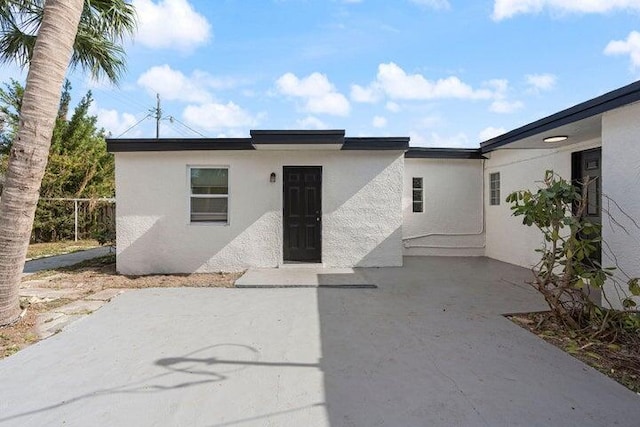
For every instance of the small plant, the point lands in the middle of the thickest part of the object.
(105, 233)
(567, 268)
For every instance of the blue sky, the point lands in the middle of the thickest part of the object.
(445, 72)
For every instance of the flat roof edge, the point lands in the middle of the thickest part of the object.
(133, 145)
(601, 104)
(372, 143)
(259, 138)
(443, 153)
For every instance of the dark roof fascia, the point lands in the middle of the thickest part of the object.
(178, 144)
(392, 143)
(297, 137)
(607, 102)
(443, 153)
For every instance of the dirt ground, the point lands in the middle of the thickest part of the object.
(620, 361)
(83, 280)
(100, 273)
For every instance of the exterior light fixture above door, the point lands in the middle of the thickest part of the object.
(558, 138)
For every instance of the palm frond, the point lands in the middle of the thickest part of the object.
(104, 26)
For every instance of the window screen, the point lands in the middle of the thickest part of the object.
(494, 181)
(209, 194)
(418, 195)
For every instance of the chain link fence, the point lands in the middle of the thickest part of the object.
(74, 219)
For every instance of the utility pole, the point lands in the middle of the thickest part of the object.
(158, 116)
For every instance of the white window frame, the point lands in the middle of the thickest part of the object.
(495, 191)
(413, 200)
(209, 196)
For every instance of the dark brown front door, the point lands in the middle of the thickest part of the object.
(587, 168)
(302, 213)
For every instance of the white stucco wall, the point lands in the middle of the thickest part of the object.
(621, 183)
(361, 210)
(508, 239)
(452, 221)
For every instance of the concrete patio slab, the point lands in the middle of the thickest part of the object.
(428, 348)
(106, 295)
(296, 276)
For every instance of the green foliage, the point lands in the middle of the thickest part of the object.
(98, 46)
(10, 103)
(79, 166)
(105, 231)
(568, 269)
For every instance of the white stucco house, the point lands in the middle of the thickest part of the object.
(278, 197)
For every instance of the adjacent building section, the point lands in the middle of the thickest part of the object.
(281, 197)
(443, 211)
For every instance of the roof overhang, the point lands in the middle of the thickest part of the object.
(177, 144)
(263, 140)
(443, 153)
(297, 139)
(581, 122)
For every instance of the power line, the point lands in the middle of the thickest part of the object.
(178, 130)
(140, 121)
(172, 118)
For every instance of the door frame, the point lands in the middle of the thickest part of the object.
(577, 158)
(283, 200)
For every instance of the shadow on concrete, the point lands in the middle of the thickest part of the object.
(431, 347)
(202, 364)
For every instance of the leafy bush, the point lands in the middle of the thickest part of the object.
(79, 165)
(567, 268)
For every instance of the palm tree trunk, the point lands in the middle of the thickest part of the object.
(30, 151)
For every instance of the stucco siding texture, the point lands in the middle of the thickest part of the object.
(361, 210)
(508, 239)
(621, 193)
(452, 222)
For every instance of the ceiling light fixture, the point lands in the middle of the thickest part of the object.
(559, 138)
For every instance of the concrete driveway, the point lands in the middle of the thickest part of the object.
(427, 348)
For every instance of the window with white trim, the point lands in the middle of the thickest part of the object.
(494, 186)
(209, 197)
(418, 195)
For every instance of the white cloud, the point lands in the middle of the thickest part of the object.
(504, 9)
(173, 85)
(379, 122)
(319, 94)
(540, 82)
(364, 94)
(501, 103)
(114, 122)
(311, 122)
(459, 140)
(215, 116)
(170, 24)
(490, 132)
(433, 4)
(393, 107)
(630, 46)
(397, 84)
(504, 106)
